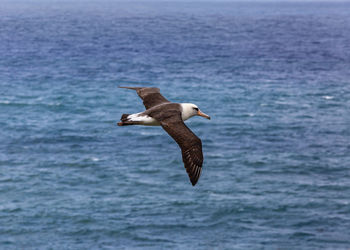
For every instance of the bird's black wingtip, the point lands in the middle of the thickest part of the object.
(133, 88)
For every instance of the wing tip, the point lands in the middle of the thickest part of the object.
(124, 87)
(137, 88)
(194, 176)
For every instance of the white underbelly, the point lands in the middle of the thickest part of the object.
(143, 120)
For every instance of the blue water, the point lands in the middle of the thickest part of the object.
(274, 77)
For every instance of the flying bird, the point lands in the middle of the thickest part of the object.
(171, 116)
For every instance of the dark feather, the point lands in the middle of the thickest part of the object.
(151, 96)
(190, 144)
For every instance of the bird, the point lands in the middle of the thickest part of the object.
(171, 116)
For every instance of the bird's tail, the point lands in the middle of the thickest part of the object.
(126, 120)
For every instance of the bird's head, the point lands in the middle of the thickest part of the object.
(190, 109)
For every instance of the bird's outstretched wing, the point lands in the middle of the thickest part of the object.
(151, 96)
(190, 144)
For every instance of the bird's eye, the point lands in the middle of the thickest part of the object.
(195, 109)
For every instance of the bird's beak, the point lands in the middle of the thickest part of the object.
(203, 115)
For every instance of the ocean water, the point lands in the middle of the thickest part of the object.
(274, 77)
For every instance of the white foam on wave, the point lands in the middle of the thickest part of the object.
(30, 103)
(53, 104)
(149, 133)
(327, 97)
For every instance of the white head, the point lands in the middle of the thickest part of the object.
(190, 109)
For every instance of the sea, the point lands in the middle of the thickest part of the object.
(273, 75)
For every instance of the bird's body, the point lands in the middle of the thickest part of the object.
(145, 118)
(171, 116)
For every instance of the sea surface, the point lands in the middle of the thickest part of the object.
(273, 76)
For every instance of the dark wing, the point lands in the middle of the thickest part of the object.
(151, 96)
(190, 144)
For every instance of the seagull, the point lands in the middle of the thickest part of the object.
(171, 116)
